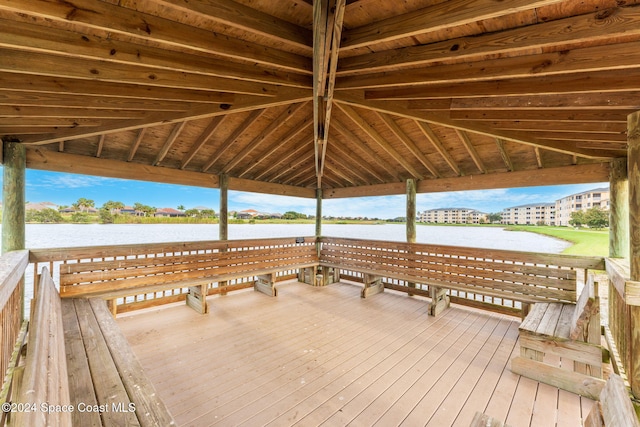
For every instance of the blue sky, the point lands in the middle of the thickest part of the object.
(66, 189)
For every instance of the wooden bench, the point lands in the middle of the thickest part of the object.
(554, 333)
(614, 408)
(80, 367)
(497, 275)
(146, 269)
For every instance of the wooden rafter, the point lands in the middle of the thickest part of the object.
(260, 138)
(378, 139)
(202, 139)
(175, 132)
(471, 150)
(435, 141)
(503, 153)
(100, 145)
(136, 144)
(327, 27)
(227, 143)
(296, 151)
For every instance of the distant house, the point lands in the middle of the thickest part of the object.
(452, 216)
(41, 206)
(168, 212)
(128, 210)
(247, 214)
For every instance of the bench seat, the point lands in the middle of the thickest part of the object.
(556, 333)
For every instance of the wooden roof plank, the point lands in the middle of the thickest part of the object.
(600, 26)
(435, 141)
(141, 26)
(503, 153)
(202, 139)
(441, 16)
(175, 132)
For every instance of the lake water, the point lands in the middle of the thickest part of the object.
(63, 235)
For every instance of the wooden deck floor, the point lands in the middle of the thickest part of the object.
(324, 356)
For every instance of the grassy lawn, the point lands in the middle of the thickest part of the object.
(585, 242)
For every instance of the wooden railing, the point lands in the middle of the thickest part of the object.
(231, 265)
(623, 295)
(12, 267)
(496, 280)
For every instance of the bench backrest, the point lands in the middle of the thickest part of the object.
(585, 323)
(45, 380)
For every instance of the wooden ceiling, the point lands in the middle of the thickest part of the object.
(353, 96)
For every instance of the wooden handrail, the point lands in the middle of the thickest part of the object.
(12, 268)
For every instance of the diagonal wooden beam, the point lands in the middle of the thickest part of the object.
(355, 163)
(287, 114)
(296, 151)
(471, 149)
(175, 132)
(354, 140)
(227, 143)
(402, 136)
(301, 126)
(286, 96)
(503, 153)
(327, 27)
(399, 109)
(202, 139)
(136, 144)
(375, 136)
(100, 146)
(435, 141)
(153, 29)
(438, 17)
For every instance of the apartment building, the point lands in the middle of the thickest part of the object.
(453, 216)
(531, 214)
(598, 197)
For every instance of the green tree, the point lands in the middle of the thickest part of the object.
(106, 217)
(180, 207)
(113, 207)
(48, 216)
(494, 217)
(145, 209)
(84, 204)
(577, 219)
(596, 218)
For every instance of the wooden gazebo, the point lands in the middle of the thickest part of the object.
(330, 99)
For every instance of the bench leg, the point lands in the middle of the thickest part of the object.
(372, 285)
(439, 300)
(197, 299)
(330, 276)
(265, 283)
(113, 307)
(307, 275)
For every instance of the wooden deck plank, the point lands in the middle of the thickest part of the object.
(364, 358)
(344, 402)
(546, 398)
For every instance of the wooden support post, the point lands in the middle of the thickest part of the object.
(197, 298)
(619, 210)
(266, 283)
(224, 218)
(318, 219)
(411, 218)
(307, 275)
(112, 306)
(439, 300)
(372, 285)
(633, 168)
(13, 197)
(330, 275)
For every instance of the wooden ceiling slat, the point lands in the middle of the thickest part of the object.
(599, 26)
(339, 156)
(441, 16)
(237, 15)
(303, 146)
(41, 112)
(46, 39)
(435, 141)
(586, 60)
(550, 115)
(144, 27)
